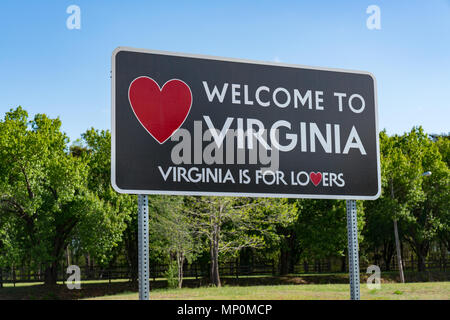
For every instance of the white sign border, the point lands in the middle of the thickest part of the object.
(232, 194)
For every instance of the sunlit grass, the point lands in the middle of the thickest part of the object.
(390, 291)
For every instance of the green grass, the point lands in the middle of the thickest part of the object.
(430, 285)
(388, 291)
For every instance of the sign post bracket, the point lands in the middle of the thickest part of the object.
(143, 263)
(353, 255)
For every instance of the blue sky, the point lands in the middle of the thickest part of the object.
(50, 69)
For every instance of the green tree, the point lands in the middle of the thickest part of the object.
(321, 228)
(44, 192)
(228, 224)
(173, 230)
(427, 218)
(275, 221)
(419, 204)
(11, 243)
(41, 186)
(443, 144)
(378, 233)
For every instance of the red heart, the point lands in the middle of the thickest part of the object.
(315, 177)
(161, 111)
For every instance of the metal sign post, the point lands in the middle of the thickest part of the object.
(353, 255)
(143, 268)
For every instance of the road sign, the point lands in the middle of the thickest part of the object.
(199, 125)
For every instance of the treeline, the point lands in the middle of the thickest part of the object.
(57, 206)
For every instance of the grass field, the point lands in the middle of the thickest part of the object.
(389, 291)
(429, 285)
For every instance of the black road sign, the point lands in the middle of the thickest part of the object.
(199, 125)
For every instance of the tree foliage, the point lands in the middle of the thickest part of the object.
(44, 194)
(55, 196)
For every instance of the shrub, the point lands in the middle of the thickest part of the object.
(172, 275)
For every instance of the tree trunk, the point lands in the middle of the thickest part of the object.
(397, 241)
(180, 261)
(215, 271)
(399, 254)
(51, 274)
(289, 254)
(212, 266)
(422, 251)
(214, 251)
(215, 277)
(69, 262)
(284, 261)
